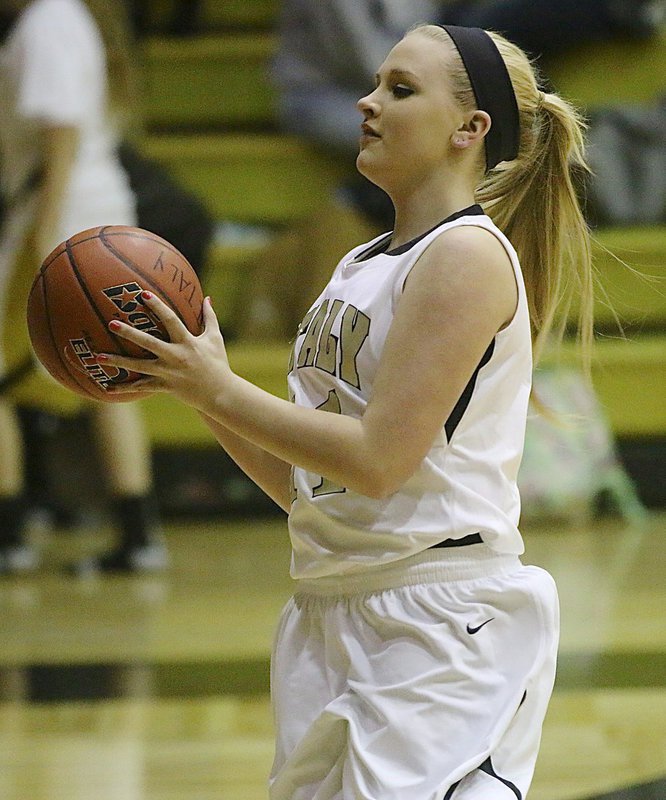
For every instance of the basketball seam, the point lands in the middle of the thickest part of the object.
(49, 260)
(129, 263)
(77, 378)
(93, 304)
(108, 231)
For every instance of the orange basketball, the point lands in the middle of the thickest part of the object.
(97, 276)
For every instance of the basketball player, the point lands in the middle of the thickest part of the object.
(417, 657)
(65, 96)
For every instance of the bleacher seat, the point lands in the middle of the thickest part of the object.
(208, 82)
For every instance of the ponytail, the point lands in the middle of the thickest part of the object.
(533, 199)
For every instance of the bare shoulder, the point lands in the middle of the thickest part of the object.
(469, 247)
(467, 264)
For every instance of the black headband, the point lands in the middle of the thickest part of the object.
(493, 90)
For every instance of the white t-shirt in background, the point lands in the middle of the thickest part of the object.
(53, 72)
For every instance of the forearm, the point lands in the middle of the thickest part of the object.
(271, 474)
(373, 455)
(333, 445)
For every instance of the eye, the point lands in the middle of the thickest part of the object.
(401, 91)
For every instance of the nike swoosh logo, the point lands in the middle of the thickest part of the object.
(472, 630)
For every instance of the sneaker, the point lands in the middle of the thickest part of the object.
(146, 559)
(17, 559)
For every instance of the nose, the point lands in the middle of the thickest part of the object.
(368, 105)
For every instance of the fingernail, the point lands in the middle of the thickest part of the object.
(114, 325)
(210, 301)
(102, 357)
(147, 295)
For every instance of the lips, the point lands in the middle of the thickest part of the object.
(367, 130)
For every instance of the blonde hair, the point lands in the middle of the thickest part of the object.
(534, 198)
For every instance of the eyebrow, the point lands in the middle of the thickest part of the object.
(399, 73)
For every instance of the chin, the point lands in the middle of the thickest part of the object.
(364, 166)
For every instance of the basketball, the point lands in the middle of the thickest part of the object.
(97, 276)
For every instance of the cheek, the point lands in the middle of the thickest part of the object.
(408, 136)
(426, 140)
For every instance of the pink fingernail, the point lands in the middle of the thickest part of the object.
(102, 357)
(114, 325)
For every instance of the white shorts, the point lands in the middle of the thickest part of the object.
(427, 680)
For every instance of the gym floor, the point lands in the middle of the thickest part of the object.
(156, 688)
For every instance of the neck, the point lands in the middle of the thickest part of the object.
(421, 209)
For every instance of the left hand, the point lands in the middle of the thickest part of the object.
(193, 368)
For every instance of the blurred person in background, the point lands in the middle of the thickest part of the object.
(68, 93)
(325, 59)
(326, 53)
(550, 27)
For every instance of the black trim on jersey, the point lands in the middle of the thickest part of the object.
(470, 211)
(449, 794)
(464, 541)
(382, 246)
(466, 396)
(487, 767)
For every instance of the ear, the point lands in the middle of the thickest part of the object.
(472, 129)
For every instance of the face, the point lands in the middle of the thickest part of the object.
(411, 116)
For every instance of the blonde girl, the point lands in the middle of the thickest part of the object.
(417, 656)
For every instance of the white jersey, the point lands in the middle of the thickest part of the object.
(467, 482)
(53, 73)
